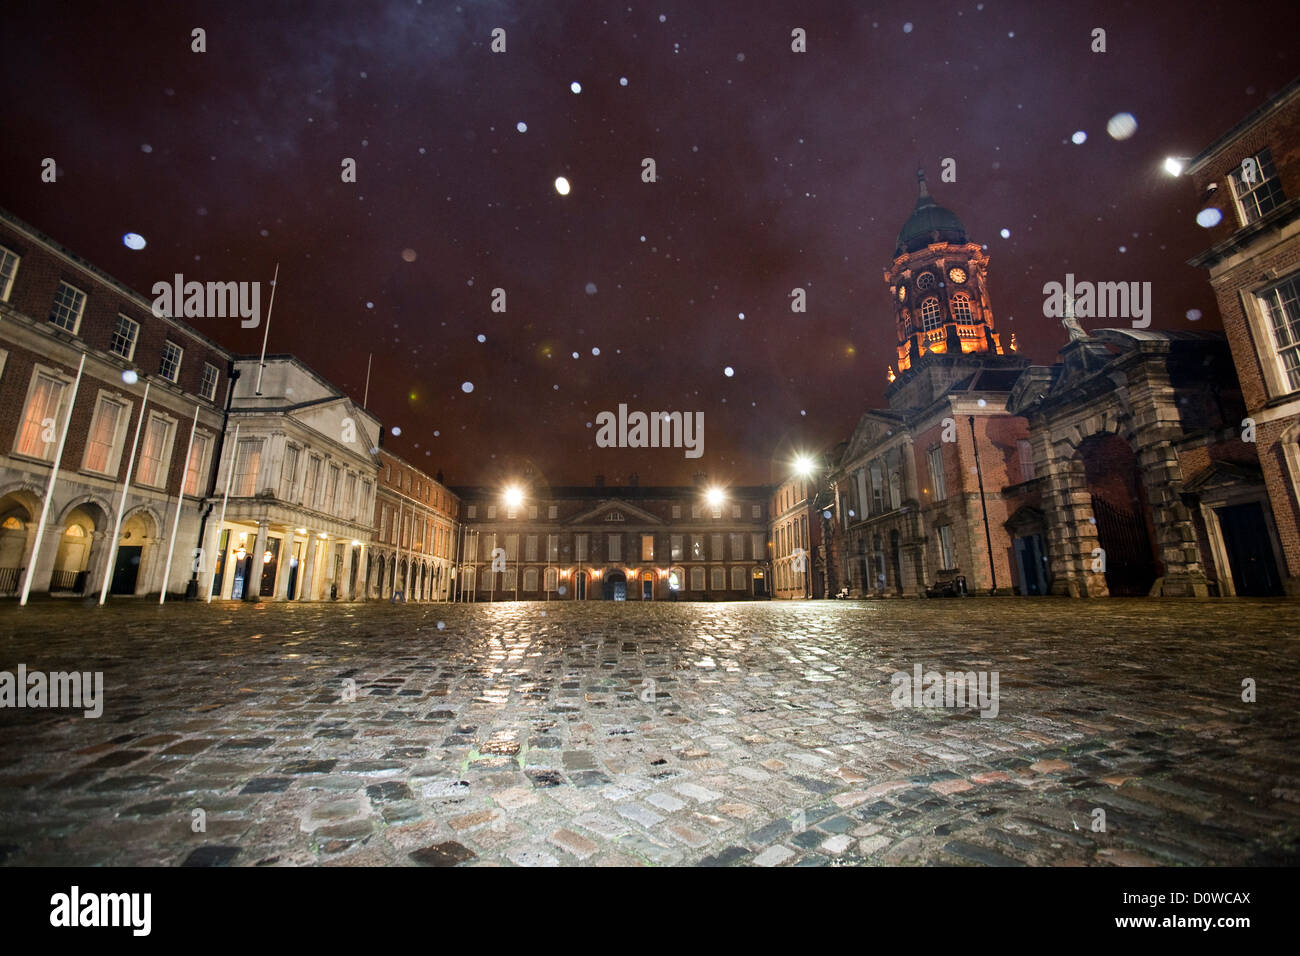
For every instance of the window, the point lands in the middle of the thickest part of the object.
(532, 514)
(931, 318)
(331, 488)
(735, 512)
(383, 522)
(365, 497)
(697, 547)
(288, 472)
(508, 579)
(312, 485)
(758, 542)
(737, 579)
(925, 281)
(194, 468)
(552, 578)
(8, 268)
(510, 512)
(695, 511)
(697, 579)
(69, 303)
(945, 548)
(677, 511)
(937, 484)
(248, 461)
(1259, 194)
(717, 510)
(1282, 305)
(676, 544)
(552, 547)
(715, 548)
(615, 547)
(647, 547)
(530, 579)
(530, 551)
(1026, 451)
(718, 579)
(350, 496)
(125, 333)
(552, 512)
(738, 546)
(208, 386)
(756, 512)
(102, 440)
(492, 512)
(152, 469)
(877, 490)
(471, 511)
(961, 307)
(170, 368)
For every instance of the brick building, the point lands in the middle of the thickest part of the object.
(129, 489)
(1248, 181)
(415, 534)
(626, 543)
(796, 534)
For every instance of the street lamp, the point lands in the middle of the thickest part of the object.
(1174, 165)
(715, 497)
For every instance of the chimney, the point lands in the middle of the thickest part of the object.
(600, 481)
(699, 478)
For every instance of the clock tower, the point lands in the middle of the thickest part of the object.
(937, 284)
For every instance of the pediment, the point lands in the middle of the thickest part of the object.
(615, 512)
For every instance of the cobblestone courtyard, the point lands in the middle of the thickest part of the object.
(531, 734)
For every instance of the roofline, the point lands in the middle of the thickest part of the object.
(1253, 118)
(147, 304)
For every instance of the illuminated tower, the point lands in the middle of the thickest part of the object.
(937, 284)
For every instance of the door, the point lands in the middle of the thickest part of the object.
(126, 569)
(1130, 566)
(220, 569)
(1029, 555)
(1250, 553)
(267, 587)
(580, 586)
(760, 584)
(647, 587)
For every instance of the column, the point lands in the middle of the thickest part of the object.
(345, 586)
(287, 544)
(307, 571)
(253, 587)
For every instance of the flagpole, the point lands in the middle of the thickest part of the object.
(366, 399)
(49, 489)
(230, 474)
(121, 507)
(266, 331)
(180, 499)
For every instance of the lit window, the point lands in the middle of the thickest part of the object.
(125, 333)
(248, 461)
(194, 470)
(937, 483)
(69, 303)
(37, 434)
(154, 447)
(647, 547)
(102, 439)
(931, 317)
(961, 307)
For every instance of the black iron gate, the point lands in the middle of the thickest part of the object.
(1130, 566)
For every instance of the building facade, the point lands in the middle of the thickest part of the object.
(295, 490)
(628, 543)
(415, 537)
(130, 404)
(916, 495)
(1248, 181)
(796, 536)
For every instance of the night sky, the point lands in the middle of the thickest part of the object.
(775, 170)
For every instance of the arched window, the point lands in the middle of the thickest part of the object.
(961, 307)
(552, 576)
(925, 280)
(930, 314)
(530, 579)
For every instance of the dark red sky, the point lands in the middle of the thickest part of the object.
(775, 169)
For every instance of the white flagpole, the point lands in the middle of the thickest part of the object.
(126, 487)
(180, 499)
(49, 489)
(266, 332)
(230, 474)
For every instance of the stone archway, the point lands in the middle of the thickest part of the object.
(19, 507)
(75, 548)
(136, 558)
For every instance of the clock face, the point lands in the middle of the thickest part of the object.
(957, 275)
(902, 293)
(925, 280)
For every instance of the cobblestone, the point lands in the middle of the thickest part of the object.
(511, 737)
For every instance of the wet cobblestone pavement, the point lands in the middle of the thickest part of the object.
(704, 734)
